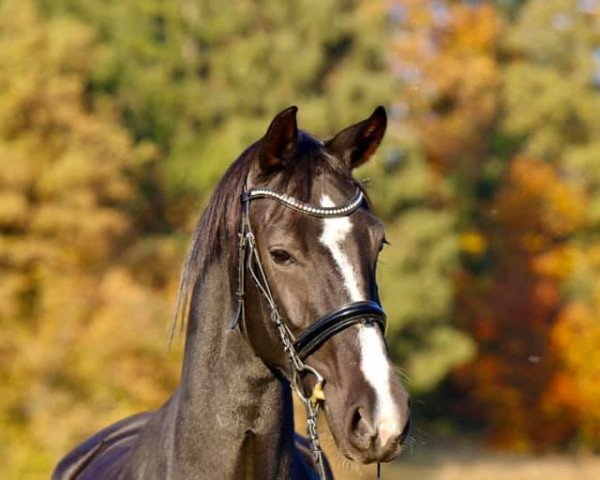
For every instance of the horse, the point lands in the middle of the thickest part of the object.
(277, 293)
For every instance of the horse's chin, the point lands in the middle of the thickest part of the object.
(369, 456)
(364, 455)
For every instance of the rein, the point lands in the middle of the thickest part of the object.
(313, 337)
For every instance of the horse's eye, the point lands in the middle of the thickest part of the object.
(281, 256)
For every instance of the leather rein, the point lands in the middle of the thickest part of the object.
(297, 349)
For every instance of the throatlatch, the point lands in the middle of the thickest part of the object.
(310, 339)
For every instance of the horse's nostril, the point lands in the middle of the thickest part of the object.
(361, 427)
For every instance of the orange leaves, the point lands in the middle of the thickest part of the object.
(539, 204)
(507, 108)
(473, 243)
(576, 338)
(476, 28)
(558, 263)
(444, 58)
(512, 309)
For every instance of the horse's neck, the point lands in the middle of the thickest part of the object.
(230, 417)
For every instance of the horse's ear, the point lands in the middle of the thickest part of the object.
(277, 146)
(357, 143)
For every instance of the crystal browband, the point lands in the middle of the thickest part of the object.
(299, 206)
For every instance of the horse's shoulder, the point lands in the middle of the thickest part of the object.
(114, 441)
(305, 468)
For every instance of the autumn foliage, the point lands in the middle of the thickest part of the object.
(513, 309)
(575, 387)
(117, 118)
(69, 249)
(442, 55)
(500, 100)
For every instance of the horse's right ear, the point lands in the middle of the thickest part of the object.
(357, 143)
(278, 144)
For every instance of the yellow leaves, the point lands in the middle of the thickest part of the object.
(82, 170)
(86, 235)
(557, 263)
(445, 57)
(12, 284)
(539, 210)
(70, 45)
(36, 94)
(67, 175)
(576, 336)
(13, 209)
(567, 209)
(473, 243)
(476, 28)
(512, 308)
(539, 204)
(16, 173)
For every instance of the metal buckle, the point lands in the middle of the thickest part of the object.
(317, 394)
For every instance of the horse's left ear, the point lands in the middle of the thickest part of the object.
(356, 144)
(278, 144)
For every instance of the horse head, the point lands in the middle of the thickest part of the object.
(315, 242)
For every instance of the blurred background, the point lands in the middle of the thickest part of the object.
(118, 117)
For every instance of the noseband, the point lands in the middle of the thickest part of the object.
(297, 349)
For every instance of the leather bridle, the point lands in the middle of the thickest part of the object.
(297, 349)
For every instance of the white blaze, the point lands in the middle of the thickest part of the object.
(374, 363)
(334, 234)
(376, 369)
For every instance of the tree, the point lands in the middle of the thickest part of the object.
(68, 246)
(524, 294)
(552, 104)
(511, 310)
(202, 79)
(443, 60)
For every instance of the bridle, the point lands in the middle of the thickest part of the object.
(297, 349)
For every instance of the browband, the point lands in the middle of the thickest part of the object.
(299, 206)
(334, 322)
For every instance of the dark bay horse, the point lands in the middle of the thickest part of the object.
(278, 291)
